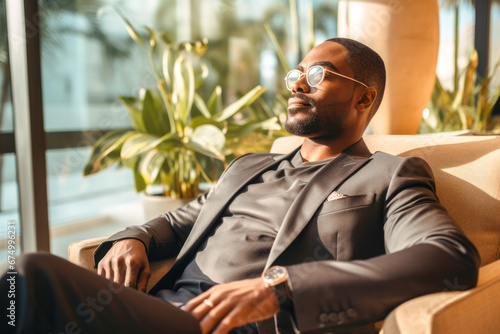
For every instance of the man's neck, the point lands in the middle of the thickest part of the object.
(315, 150)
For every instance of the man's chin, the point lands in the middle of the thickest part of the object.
(301, 129)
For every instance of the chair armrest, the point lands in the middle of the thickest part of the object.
(81, 253)
(457, 312)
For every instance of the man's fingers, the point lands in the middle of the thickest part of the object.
(193, 303)
(123, 263)
(100, 269)
(229, 322)
(119, 269)
(105, 271)
(230, 305)
(216, 317)
(142, 282)
(130, 279)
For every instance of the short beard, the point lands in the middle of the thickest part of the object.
(304, 128)
(317, 122)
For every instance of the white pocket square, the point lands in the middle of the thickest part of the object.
(334, 196)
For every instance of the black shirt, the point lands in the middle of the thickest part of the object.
(239, 246)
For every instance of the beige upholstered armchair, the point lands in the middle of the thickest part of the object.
(467, 172)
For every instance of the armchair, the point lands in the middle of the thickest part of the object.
(467, 173)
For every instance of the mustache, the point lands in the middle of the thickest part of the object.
(303, 97)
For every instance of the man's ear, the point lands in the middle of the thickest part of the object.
(367, 99)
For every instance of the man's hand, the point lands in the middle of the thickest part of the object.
(126, 263)
(234, 304)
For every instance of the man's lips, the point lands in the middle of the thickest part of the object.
(299, 100)
(297, 103)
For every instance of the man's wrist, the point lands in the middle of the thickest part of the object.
(276, 278)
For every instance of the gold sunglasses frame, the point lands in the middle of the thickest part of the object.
(322, 78)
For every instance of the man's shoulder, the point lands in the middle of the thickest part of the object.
(396, 162)
(391, 158)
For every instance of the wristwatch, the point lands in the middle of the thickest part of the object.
(276, 277)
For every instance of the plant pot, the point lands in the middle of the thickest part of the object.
(405, 33)
(156, 205)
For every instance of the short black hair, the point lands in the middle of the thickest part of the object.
(367, 66)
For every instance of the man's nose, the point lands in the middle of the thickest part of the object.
(301, 85)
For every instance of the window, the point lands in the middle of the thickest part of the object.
(9, 206)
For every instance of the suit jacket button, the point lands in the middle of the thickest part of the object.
(333, 317)
(323, 318)
(342, 317)
(352, 313)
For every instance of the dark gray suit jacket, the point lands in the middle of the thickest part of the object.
(350, 260)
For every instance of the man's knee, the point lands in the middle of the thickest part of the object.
(37, 263)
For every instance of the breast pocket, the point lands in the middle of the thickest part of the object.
(346, 203)
(349, 226)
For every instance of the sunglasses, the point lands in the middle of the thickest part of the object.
(315, 75)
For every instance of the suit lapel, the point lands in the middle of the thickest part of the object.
(231, 184)
(315, 193)
(297, 218)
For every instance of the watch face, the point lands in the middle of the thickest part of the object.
(275, 273)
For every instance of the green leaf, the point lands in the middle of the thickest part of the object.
(142, 142)
(251, 127)
(208, 140)
(310, 26)
(134, 108)
(277, 47)
(183, 89)
(200, 104)
(200, 47)
(140, 185)
(106, 151)
(154, 118)
(131, 30)
(201, 120)
(168, 66)
(215, 101)
(150, 164)
(211, 168)
(200, 75)
(168, 105)
(166, 37)
(137, 144)
(492, 101)
(240, 104)
(153, 38)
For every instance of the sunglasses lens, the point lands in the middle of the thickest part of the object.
(315, 75)
(292, 77)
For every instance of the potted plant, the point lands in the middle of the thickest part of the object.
(178, 140)
(467, 107)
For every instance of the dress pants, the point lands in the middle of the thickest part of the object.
(55, 296)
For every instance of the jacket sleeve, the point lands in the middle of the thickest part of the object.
(163, 236)
(426, 252)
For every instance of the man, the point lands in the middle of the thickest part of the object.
(341, 235)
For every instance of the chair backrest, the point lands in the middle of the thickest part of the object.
(467, 173)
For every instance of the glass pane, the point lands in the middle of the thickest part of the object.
(9, 198)
(94, 206)
(88, 60)
(9, 206)
(6, 122)
(495, 44)
(448, 16)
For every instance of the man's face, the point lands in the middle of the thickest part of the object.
(327, 110)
